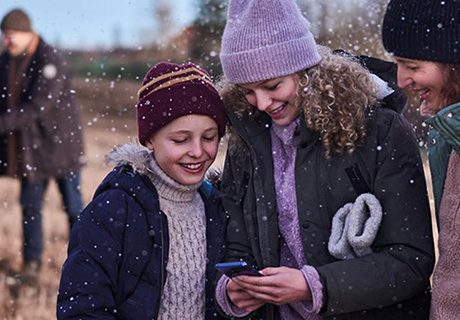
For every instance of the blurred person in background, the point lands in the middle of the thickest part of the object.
(146, 245)
(424, 37)
(314, 132)
(40, 129)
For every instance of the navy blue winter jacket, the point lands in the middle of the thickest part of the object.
(117, 256)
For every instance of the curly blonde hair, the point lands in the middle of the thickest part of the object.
(335, 97)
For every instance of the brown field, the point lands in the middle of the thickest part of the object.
(39, 302)
(26, 302)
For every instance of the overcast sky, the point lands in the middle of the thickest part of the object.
(88, 24)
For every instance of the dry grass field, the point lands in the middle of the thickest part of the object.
(22, 302)
(39, 302)
(26, 302)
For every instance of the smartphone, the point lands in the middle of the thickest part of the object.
(237, 268)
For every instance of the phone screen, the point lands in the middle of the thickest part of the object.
(237, 268)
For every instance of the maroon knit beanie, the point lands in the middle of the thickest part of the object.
(16, 20)
(170, 91)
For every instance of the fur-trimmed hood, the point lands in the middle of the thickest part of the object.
(135, 155)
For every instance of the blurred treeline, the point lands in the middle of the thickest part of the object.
(108, 80)
(353, 25)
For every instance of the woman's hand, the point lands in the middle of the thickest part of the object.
(242, 299)
(278, 286)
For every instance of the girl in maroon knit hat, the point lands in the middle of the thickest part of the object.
(146, 245)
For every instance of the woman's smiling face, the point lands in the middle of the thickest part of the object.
(425, 78)
(276, 97)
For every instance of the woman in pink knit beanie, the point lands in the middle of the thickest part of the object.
(311, 131)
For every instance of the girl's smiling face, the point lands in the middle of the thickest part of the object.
(276, 97)
(186, 147)
(425, 78)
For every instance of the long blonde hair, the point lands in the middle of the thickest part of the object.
(335, 97)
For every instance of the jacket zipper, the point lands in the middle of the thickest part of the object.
(163, 267)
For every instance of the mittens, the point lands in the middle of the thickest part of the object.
(354, 227)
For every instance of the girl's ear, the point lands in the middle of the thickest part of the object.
(149, 144)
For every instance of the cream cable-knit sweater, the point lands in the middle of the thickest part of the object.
(184, 292)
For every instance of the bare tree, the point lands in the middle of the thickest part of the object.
(353, 25)
(316, 13)
(162, 14)
(208, 30)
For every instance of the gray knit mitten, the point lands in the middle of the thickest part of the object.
(338, 246)
(354, 227)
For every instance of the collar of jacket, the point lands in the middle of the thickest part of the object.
(447, 123)
(249, 128)
(443, 136)
(395, 101)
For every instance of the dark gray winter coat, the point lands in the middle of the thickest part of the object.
(392, 282)
(48, 120)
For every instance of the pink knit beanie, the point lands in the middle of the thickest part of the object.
(170, 91)
(266, 39)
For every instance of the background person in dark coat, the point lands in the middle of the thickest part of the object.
(146, 246)
(40, 128)
(314, 130)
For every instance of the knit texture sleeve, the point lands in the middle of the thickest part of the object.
(224, 302)
(316, 288)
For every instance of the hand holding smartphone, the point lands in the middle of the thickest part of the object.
(237, 268)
